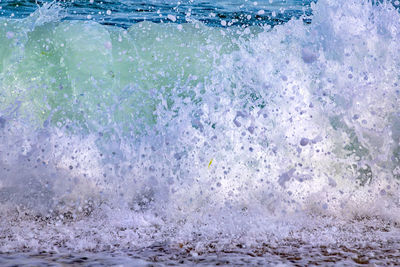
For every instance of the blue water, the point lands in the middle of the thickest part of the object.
(126, 13)
(196, 132)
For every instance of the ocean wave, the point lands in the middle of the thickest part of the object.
(187, 132)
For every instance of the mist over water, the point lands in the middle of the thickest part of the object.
(124, 136)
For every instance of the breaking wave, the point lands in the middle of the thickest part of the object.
(192, 135)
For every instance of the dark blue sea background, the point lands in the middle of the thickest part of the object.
(194, 132)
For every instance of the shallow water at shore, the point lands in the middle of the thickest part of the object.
(291, 254)
(360, 242)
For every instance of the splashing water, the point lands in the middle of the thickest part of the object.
(203, 139)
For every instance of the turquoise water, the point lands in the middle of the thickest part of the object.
(232, 132)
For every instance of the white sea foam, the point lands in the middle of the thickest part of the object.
(198, 135)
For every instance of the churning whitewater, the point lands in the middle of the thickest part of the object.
(206, 138)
